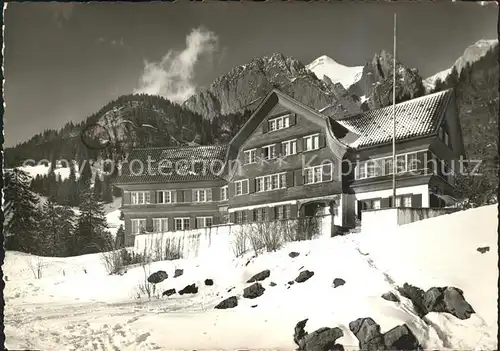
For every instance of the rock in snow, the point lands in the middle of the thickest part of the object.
(368, 333)
(303, 276)
(209, 282)
(168, 292)
(253, 291)
(230, 302)
(390, 296)
(157, 277)
(189, 289)
(178, 273)
(448, 299)
(338, 282)
(293, 254)
(260, 276)
(401, 338)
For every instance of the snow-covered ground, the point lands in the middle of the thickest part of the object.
(77, 306)
(43, 170)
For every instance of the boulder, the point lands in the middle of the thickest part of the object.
(416, 295)
(272, 284)
(321, 339)
(449, 300)
(168, 292)
(209, 282)
(303, 276)
(260, 276)
(189, 289)
(401, 338)
(299, 333)
(230, 302)
(483, 249)
(230, 289)
(390, 296)
(291, 282)
(253, 306)
(368, 334)
(253, 291)
(293, 254)
(338, 282)
(157, 277)
(178, 273)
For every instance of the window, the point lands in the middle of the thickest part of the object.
(371, 168)
(318, 174)
(279, 123)
(388, 165)
(407, 201)
(311, 142)
(160, 225)
(401, 163)
(398, 201)
(241, 187)
(446, 139)
(250, 156)
(240, 217)
(270, 182)
(361, 170)
(376, 204)
(441, 133)
(269, 152)
(140, 197)
(164, 197)
(202, 195)
(288, 211)
(282, 212)
(203, 222)
(258, 214)
(224, 193)
(289, 147)
(412, 162)
(181, 223)
(138, 225)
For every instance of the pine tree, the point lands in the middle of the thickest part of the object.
(21, 213)
(91, 233)
(120, 238)
(107, 190)
(73, 186)
(98, 188)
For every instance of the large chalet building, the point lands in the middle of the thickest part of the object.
(291, 161)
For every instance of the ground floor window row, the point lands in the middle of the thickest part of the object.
(262, 214)
(160, 225)
(405, 200)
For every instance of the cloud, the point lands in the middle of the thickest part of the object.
(173, 76)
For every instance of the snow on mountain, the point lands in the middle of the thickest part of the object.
(77, 305)
(338, 73)
(473, 53)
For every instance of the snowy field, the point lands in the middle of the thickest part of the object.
(77, 306)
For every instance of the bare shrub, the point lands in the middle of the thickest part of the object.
(112, 258)
(146, 288)
(240, 242)
(36, 266)
(271, 235)
(172, 249)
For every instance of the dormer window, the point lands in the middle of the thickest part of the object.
(279, 123)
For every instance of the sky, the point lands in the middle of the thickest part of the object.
(64, 61)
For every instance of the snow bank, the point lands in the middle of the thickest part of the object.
(434, 252)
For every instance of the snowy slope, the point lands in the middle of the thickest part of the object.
(326, 66)
(43, 170)
(92, 310)
(473, 53)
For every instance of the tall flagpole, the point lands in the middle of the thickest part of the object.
(394, 168)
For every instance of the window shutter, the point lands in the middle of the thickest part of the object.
(265, 126)
(258, 154)
(192, 222)
(251, 185)
(271, 213)
(299, 177)
(293, 119)
(244, 186)
(126, 197)
(385, 202)
(289, 179)
(294, 211)
(180, 196)
(421, 160)
(188, 196)
(300, 145)
(153, 199)
(216, 194)
(232, 217)
(416, 200)
(322, 141)
(278, 149)
(149, 224)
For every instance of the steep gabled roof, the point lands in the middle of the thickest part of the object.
(186, 171)
(273, 98)
(414, 118)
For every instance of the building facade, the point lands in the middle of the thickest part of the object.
(292, 161)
